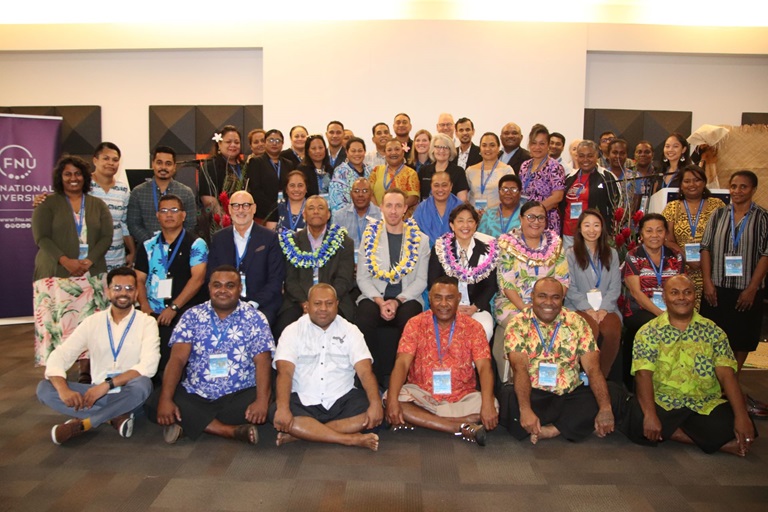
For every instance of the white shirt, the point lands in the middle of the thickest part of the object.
(140, 351)
(325, 359)
(241, 242)
(374, 158)
(463, 156)
(506, 156)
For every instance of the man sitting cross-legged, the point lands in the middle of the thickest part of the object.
(316, 360)
(436, 352)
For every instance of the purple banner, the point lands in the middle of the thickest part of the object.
(28, 147)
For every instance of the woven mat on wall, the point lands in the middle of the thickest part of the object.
(745, 147)
(758, 358)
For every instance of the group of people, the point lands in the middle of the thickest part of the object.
(335, 254)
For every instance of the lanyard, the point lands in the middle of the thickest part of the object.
(736, 237)
(116, 352)
(547, 348)
(79, 218)
(277, 168)
(238, 255)
(598, 269)
(214, 327)
(360, 228)
(483, 180)
(294, 225)
(154, 195)
(695, 223)
(164, 261)
(530, 175)
(505, 225)
(437, 337)
(656, 270)
(582, 183)
(238, 171)
(665, 184)
(386, 175)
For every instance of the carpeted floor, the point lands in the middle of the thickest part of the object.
(411, 471)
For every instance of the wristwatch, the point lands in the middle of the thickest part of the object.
(174, 307)
(109, 381)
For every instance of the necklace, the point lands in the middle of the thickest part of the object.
(317, 258)
(409, 253)
(471, 275)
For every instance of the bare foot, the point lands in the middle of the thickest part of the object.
(534, 438)
(284, 438)
(732, 447)
(370, 441)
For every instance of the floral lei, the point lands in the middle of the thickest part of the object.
(546, 255)
(412, 237)
(311, 259)
(443, 249)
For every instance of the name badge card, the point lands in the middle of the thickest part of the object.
(441, 382)
(595, 298)
(464, 290)
(244, 292)
(548, 374)
(164, 287)
(576, 210)
(481, 204)
(692, 253)
(83, 254)
(315, 275)
(734, 266)
(658, 301)
(116, 389)
(217, 365)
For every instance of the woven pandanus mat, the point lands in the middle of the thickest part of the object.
(745, 147)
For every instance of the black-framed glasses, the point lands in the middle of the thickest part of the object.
(539, 218)
(117, 288)
(275, 141)
(173, 210)
(238, 206)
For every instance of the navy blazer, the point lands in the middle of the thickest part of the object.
(263, 265)
(520, 156)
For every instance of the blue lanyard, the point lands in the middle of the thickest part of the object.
(276, 168)
(164, 261)
(483, 180)
(294, 225)
(332, 159)
(360, 228)
(238, 255)
(237, 170)
(695, 223)
(214, 327)
(154, 194)
(736, 237)
(116, 352)
(79, 218)
(505, 226)
(664, 184)
(386, 175)
(656, 270)
(583, 184)
(598, 269)
(437, 337)
(547, 348)
(529, 177)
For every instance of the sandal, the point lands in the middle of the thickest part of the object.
(403, 426)
(172, 433)
(473, 433)
(248, 434)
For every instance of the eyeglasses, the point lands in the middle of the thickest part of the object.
(606, 139)
(538, 218)
(117, 288)
(173, 210)
(514, 190)
(275, 141)
(239, 206)
(360, 190)
(442, 148)
(445, 125)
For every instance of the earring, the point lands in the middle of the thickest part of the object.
(682, 158)
(666, 160)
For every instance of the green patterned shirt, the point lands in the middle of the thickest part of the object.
(683, 362)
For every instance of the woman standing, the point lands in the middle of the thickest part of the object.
(295, 153)
(543, 178)
(470, 260)
(676, 156)
(527, 255)
(442, 152)
(419, 157)
(345, 175)
(734, 262)
(257, 140)
(292, 211)
(266, 177)
(73, 232)
(595, 287)
(483, 178)
(395, 174)
(686, 220)
(317, 163)
(223, 172)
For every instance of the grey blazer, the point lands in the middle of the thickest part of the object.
(583, 280)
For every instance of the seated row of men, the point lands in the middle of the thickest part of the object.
(219, 381)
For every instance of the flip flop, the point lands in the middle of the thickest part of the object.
(244, 433)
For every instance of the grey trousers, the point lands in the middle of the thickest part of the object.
(130, 397)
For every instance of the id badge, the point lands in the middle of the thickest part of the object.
(83, 254)
(734, 266)
(576, 210)
(595, 298)
(481, 204)
(584, 378)
(217, 365)
(118, 388)
(164, 287)
(464, 290)
(441, 382)
(244, 292)
(356, 255)
(548, 374)
(692, 253)
(315, 275)
(658, 301)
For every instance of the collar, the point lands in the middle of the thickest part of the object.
(112, 319)
(247, 234)
(315, 242)
(212, 311)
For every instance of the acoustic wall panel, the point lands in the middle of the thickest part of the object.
(754, 118)
(636, 125)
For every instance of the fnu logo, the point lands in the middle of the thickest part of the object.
(16, 162)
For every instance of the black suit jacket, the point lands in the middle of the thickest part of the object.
(339, 272)
(339, 159)
(520, 156)
(288, 154)
(264, 185)
(263, 265)
(480, 294)
(473, 158)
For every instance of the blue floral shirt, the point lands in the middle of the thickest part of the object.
(240, 337)
(340, 187)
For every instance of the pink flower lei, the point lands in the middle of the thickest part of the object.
(546, 255)
(472, 275)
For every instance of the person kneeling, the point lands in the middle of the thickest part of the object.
(316, 361)
(683, 364)
(124, 346)
(436, 352)
(225, 345)
(545, 344)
